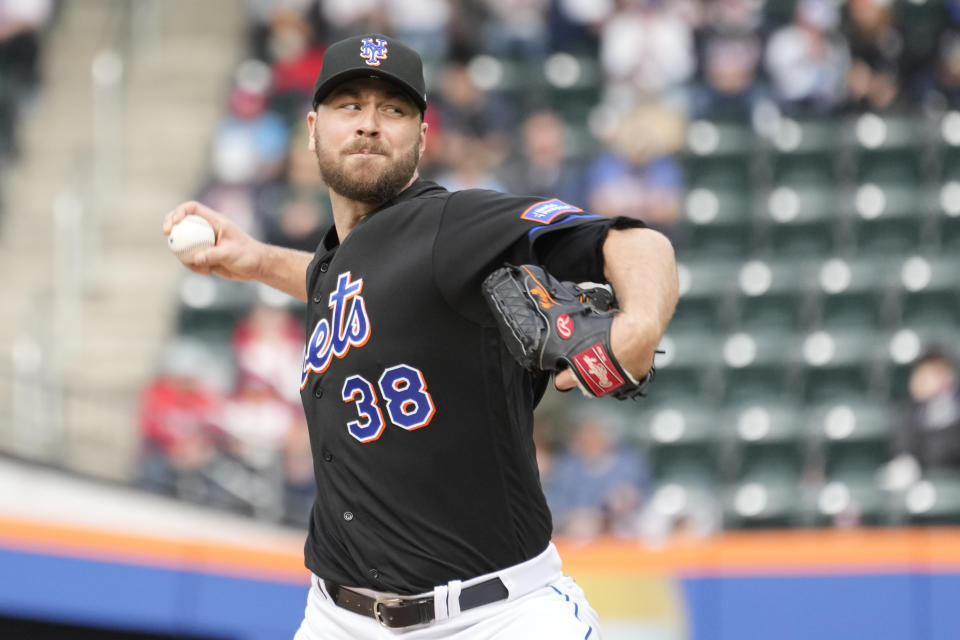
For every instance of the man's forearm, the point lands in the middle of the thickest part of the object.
(641, 267)
(284, 269)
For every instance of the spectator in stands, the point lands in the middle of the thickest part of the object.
(294, 59)
(250, 143)
(177, 436)
(517, 29)
(260, 14)
(299, 222)
(876, 50)
(640, 175)
(543, 164)
(299, 484)
(268, 344)
(21, 25)
(729, 51)
(348, 17)
(928, 438)
(936, 81)
(469, 162)
(464, 107)
(807, 60)
(646, 50)
(596, 486)
(255, 424)
(575, 25)
(421, 25)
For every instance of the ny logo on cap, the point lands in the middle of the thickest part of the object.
(373, 52)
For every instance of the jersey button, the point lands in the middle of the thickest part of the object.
(327, 456)
(323, 267)
(373, 573)
(317, 299)
(348, 515)
(318, 392)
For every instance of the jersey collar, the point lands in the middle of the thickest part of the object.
(419, 187)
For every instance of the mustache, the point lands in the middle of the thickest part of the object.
(364, 147)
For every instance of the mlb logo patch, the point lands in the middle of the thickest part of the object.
(547, 211)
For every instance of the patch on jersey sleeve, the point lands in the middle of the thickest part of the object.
(547, 211)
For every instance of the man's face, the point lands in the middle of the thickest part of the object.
(368, 137)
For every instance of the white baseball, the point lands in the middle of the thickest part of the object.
(190, 235)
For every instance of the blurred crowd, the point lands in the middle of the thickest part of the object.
(584, 100)
(22, 25)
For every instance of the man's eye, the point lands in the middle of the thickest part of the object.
(350, 105)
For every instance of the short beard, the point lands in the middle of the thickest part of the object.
(369, 189)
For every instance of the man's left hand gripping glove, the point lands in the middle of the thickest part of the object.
(552, 325)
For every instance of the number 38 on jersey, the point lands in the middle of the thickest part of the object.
(402, 387)
(407, 402)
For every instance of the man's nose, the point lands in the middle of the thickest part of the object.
(369, 124)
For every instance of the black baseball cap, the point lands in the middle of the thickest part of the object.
(372, 55)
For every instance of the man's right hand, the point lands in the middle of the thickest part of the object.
(235, 255)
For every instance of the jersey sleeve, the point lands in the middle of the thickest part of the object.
(480, 230)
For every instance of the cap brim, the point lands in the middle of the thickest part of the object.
(337, 79)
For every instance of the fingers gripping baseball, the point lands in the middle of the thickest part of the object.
(234, 255)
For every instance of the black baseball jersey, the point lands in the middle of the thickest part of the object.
(420, 421)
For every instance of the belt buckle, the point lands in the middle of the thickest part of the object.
(376, 610)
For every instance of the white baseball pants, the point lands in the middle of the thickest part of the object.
(544, 604)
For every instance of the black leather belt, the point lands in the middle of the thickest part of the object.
(406, 612)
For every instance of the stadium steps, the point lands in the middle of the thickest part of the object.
(177, 59)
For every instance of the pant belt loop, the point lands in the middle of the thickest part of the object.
(453, 597)
(440, 596)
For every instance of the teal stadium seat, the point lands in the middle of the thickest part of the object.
(946, 217)
(769, 495)
(775, 295)
(935, 500)
(886, 148)
(928, 292)
(854, 294)
(681, 441)
(843, 364)
(719, 155)
(706, 287)
(803, 153)
(887, 219)
(761, 365)
(800, 221)
(716, 223)
(688, 368)
(211, 306)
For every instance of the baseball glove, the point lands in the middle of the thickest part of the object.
(551, 325)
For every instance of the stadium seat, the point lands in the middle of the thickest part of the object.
(769, 497)
(886, 218)
(852, 436)
(854, 294)
(688, 367)
(798, 220)
(886, 148)
(946, 218)
(719, 155)
(681, 441)
(774, 295)
(706, 287)
(803, 153)
(716, 223)
(842, 364)
(933, 500)
(759, 365)
(928, 291)
(759, 432)
(210, 306)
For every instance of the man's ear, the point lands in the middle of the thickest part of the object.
(311, 124)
